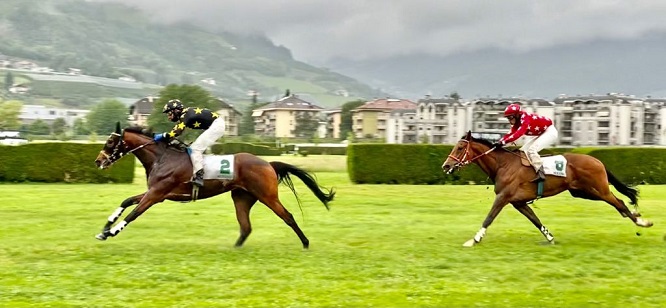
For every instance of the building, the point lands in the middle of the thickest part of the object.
(370, 120)
(333, 122)
(279, 118)
(231, 116)
(612, 119)
(31, 113)
(439, 120)
(141, 110)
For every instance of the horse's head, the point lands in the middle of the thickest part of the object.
(117, 145)
(459, 156)
(466, 151)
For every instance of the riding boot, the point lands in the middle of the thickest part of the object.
(540, 176)
(198, 178)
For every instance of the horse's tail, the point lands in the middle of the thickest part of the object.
(283, 170)
(625, 189)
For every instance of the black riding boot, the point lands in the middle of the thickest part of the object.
(198, 178)
(540, 176)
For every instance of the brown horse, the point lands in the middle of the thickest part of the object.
(586, 177)
(168, 171)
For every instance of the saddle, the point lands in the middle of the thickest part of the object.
(525, 162)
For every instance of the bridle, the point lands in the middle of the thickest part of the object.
(120, 149)
(464, 160)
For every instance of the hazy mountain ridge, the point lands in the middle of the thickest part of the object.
(631, 67)
(112, 40)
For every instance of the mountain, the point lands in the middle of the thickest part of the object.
(633, 67)
(113, 40)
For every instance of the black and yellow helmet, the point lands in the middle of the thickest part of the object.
(173, 104)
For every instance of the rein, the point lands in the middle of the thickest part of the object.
(117, 153)
(460, 162)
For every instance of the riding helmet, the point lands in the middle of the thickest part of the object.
(172, 105)
(512, 109)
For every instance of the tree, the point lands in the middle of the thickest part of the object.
(190, 96)
(59, 126)
(79, 127)
(346, 117)
(103, 117)
(455, 95)
(9, 80)
(246, 126)
(306, 124)
(39, 127)
(9, 115)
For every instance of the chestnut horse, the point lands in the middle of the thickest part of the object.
(169, 170)
(586, 177)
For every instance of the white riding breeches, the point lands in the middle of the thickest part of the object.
(538, 143)
(206, 139)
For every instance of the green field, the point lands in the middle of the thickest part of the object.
(379, 245)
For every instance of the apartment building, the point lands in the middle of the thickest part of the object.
(611, 119)
(372, 118)
(279, 119)
(333, 122)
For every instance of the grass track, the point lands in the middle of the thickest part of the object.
(380, 245)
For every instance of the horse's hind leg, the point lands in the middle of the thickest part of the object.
(276, 206)
(243, 201)
(619, 205)
(604, 193)
(526, 210)
(116, 214)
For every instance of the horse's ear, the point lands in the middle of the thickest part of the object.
(118, 127)
(469, 135)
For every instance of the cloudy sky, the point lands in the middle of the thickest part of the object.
(318, 30)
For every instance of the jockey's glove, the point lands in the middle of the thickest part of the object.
(497, 145)
(158, 137)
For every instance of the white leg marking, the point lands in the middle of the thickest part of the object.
(114, 216)
(477, 238)
(479, 235)
(119, 227)
(547, 234)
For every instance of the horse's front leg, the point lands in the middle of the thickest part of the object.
(106, 231)
(526, 210)
(497, 207)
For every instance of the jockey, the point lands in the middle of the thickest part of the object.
(195, 118)
(541, 130)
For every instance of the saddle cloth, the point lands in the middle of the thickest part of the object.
(218, 167)
(553, 165)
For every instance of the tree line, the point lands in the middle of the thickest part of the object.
(102, 118)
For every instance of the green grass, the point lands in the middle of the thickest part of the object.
(380, 245)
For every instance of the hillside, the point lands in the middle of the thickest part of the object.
(112, 40)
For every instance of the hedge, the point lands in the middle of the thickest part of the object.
(238, 147)
(421, 164)
(323, 150)
(60, 162)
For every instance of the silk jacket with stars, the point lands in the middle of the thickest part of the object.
(530, 125)
(195, 118)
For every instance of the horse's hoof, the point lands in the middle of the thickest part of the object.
(469, 243)
(100, 237)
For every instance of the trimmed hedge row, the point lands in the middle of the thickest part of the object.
(323, 150)
(238, 147)
(60, 162)
(421, 164)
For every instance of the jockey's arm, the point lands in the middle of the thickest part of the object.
(514, 134)
(176, 130)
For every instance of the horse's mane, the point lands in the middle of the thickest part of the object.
(488, 143)
(173, 143)
(146, 131)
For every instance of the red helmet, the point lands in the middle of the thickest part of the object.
(513, 109)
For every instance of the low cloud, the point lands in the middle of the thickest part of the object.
(318, 30)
